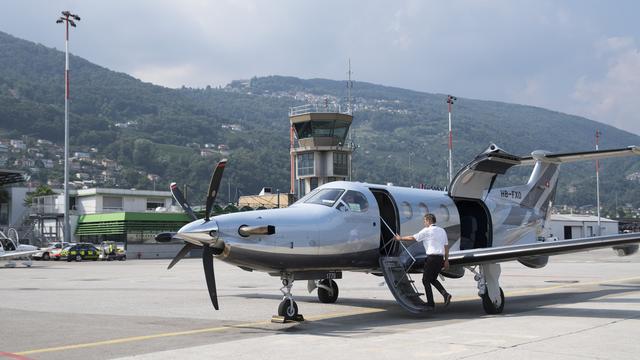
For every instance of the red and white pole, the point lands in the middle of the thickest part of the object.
(450, 100)
(292, 189)
(66, 227)
(598, 133)
(69, 19)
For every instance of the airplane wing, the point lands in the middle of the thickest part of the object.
(513, 252)
(16, 254)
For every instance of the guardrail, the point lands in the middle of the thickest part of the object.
(317, 108)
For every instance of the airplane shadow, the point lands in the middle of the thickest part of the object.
(538, 305)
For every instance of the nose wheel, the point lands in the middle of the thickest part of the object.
(288, 309)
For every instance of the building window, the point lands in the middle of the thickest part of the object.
(4, 213)
(152, 204)
(305, 164)
(340, 164)
(112, 203)
(313, 183)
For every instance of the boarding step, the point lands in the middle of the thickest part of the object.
(401, 285)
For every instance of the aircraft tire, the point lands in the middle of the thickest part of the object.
(488, 305)
(288, 308)
(328, 297)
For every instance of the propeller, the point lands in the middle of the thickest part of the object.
(182, 253)
(177, 194)
(207, 251)
(213, 186)
(209, 275)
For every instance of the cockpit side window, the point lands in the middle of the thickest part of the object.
(355, 201)
(326, 197)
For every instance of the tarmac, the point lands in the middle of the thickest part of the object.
(580, 306)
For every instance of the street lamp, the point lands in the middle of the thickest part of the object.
(68, 19)
(450, 100)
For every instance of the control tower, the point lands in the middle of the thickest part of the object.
(319, 149)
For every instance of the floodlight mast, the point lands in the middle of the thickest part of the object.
(69, 19)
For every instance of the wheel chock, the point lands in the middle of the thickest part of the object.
(283, 320)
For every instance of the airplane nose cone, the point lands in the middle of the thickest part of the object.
(199, 232)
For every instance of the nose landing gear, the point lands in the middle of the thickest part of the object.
(288, 309)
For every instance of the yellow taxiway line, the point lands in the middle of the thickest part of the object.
(310, 318)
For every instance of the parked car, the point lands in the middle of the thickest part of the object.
(47, 252)
(79, 252)
(111, 250)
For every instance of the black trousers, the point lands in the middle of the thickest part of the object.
(432, 266)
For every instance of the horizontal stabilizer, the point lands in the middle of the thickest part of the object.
(544, 156)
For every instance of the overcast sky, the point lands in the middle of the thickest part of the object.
(578, 57)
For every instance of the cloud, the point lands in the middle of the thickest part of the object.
(612, 98)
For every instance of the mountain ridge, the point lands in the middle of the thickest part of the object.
(401, 133)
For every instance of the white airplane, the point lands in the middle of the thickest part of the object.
(11, 250)
(349, 226)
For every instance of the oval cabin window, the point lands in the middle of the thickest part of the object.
(444, 213)
(423, 208)
(406, 210)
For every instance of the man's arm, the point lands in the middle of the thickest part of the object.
(406, 238)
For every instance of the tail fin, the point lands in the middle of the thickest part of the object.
(540, 190)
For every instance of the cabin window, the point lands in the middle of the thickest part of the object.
(444, 213)
(326, 197)
(423, 209)
(355, 201)
(406, 210)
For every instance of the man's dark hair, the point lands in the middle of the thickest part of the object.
(430, 217)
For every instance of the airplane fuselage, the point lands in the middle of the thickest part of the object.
(316, 236)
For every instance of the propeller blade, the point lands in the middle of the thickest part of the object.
(213, 186)
(182, 253)
(207, 263)
(177, 194)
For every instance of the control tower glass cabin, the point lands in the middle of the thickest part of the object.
(321, 153)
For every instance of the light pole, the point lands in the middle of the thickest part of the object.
(450, 100)
(68, 19)
(598, 133)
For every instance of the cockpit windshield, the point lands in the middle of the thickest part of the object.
(326, 197)
(353, 201)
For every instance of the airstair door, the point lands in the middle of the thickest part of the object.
(476, 179)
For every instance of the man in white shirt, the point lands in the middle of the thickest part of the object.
(436, 246)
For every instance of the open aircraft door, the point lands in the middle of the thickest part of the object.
(469, 188)
(476, 179)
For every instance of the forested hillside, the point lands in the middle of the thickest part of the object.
(401, 135)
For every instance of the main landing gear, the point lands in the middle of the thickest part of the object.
(489, 289)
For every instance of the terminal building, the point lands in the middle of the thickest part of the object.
(574, 226)
(132, 217)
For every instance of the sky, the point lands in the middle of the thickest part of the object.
(580, 57)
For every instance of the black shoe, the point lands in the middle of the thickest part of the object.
(430, 307)
(447, 299)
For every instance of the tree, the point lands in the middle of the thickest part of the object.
(41, 190)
